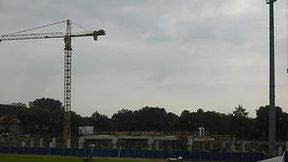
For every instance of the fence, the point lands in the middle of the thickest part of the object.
(192, 156)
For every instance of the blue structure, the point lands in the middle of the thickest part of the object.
(192, 156)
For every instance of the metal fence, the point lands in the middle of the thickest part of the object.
(191, 156)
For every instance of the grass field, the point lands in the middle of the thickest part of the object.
(31, 158)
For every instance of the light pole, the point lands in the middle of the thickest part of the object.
(272, 123)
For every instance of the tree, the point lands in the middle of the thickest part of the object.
(19, 104)
(184, 121)
(124, 120)
(151, 119)
(241, 125)
(77, 121)
(240, 112)
(262, 121)
(45, 117)
(172, 121)
(101, 122)
(215, 122)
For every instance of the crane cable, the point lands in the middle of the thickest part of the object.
(80, 26)
(35, 28)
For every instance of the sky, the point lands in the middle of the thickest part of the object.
(175, 54)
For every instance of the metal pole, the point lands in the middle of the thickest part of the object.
(272, 123)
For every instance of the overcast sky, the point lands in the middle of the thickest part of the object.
(176, 54)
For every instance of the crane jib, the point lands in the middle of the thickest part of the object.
(7, 37)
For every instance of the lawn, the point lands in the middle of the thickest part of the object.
(31, 158)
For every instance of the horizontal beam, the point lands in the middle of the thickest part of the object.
(49, 35)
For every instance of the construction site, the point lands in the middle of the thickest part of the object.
(192, 142)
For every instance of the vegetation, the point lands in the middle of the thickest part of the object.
(45, 117)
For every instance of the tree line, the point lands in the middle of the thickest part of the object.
(44, 116)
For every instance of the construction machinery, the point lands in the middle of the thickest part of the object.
(23, 35)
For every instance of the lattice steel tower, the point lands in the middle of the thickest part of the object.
(67, 86)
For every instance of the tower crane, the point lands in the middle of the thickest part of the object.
(67, 63)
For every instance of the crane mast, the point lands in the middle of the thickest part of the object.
(67, 64)
(67, 86)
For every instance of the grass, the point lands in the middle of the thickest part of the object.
(36, 158)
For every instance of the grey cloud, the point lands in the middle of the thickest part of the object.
(159, 52)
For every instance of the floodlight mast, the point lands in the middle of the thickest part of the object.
(272, 114)
(67, 64)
